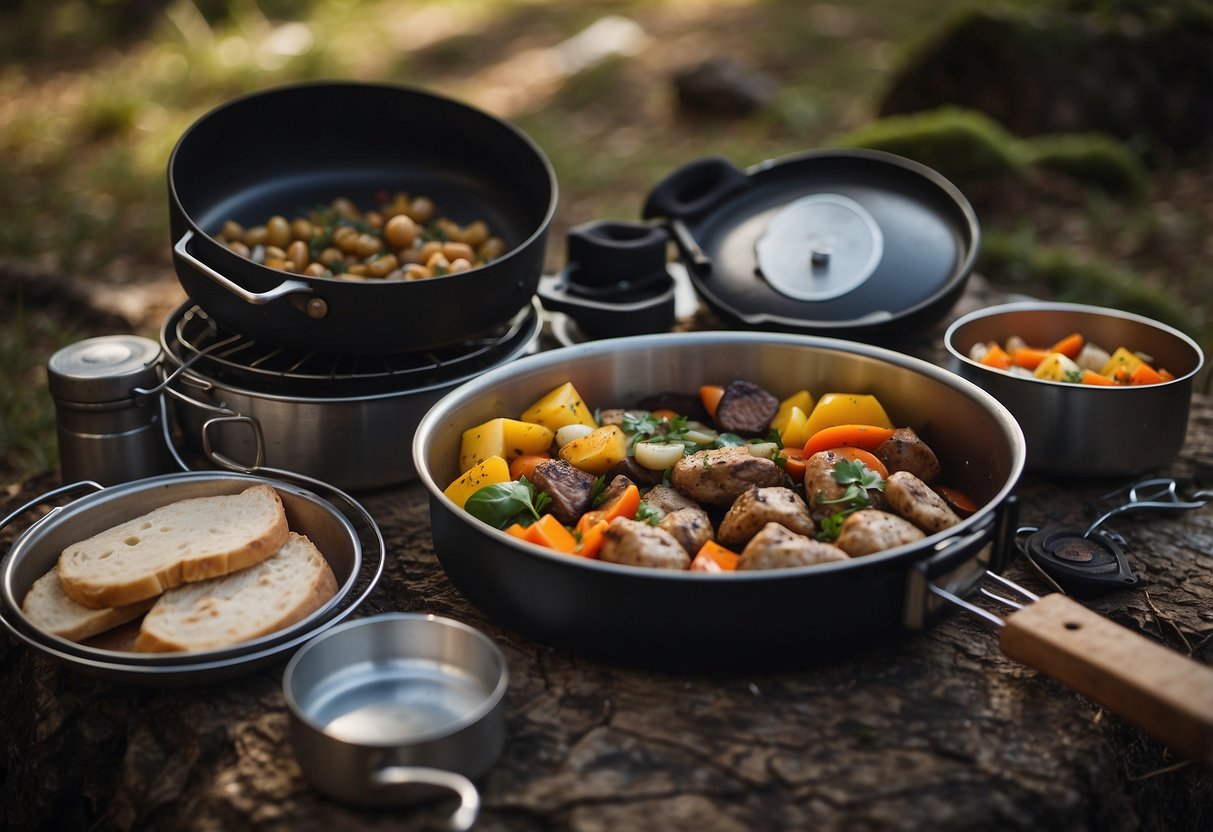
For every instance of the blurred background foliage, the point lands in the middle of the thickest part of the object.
(93, 95)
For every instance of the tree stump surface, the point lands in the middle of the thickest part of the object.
(935, 729)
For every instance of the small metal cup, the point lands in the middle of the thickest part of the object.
(398, 708)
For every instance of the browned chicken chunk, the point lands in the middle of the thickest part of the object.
(775, 547)
(914, 500)
(667, 499)
(569, 487)
(717, 476)
(820, 486)
(756, 507)
(633, 543)
(689, 526)
(868, 531)
(905, 451)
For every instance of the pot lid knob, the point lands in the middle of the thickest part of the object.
(819, 247)
(103, 369)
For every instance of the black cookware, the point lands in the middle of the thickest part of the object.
(842, 242)
(286, 149)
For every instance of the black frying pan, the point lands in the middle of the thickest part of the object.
(852, 243)
(287, 149)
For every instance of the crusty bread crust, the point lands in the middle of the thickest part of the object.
(190, 540)
(49, 609)
(260, 600)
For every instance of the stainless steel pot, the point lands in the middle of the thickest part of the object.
(341, 529)
(356, 439)
(1079, 430)
(388, 709)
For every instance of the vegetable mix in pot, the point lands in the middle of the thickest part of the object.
(728, 478)
(1073, 359)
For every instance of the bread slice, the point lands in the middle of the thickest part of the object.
(49, 609)
(253, 602)
(189, 540)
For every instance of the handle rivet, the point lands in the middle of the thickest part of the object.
(317, 308)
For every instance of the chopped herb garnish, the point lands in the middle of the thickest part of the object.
(858, 479)
(646, 513)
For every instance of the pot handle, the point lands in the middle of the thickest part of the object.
(228, 462)
(695, 188)
(283, 289)
(463, 817)
(1161, 691)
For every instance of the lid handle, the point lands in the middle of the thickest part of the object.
(695, 188)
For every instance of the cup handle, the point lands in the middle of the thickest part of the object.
(463, 818)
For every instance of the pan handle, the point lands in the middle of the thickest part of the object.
(283, 289)
(695, 188)
(464, 817)
(1161, 691)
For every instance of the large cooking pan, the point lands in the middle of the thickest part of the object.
(794, 616)
(287, 149)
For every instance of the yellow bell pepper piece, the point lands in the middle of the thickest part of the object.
(597, 452)
(506, 438)
(847, 409)
(1122, 358)
(801, 400)
(796, 431)
(489, 472)
(562, 406)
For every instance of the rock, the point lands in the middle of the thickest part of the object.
(721, 88)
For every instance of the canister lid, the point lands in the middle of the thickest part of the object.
(103, 369)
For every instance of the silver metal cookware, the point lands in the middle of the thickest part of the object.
(396, 707)
(343, 419)
(1081, 430)
(341, 529)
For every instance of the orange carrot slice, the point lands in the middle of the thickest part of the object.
(524, 465)
(1070, 346)
(867, 437)
(710, 395)
(712, 557)
(624, 505)
(548, 531)
(592, 540)
(1028, 357)
(996, 357)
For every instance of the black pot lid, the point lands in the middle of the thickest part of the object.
(843, 242)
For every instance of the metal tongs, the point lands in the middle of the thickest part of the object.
(1156, 493)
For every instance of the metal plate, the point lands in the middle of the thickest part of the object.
(356, 556)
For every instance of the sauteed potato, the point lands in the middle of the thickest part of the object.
(728, 479)
(403, 238)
